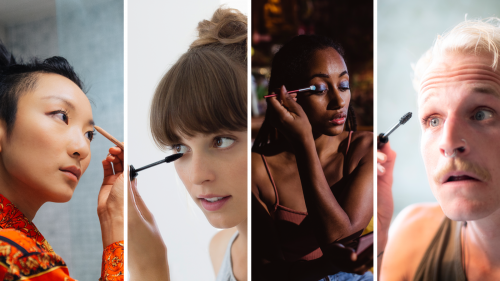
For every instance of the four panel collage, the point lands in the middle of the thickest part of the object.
(235, 140)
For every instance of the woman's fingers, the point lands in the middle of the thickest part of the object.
(288, 101)
(381, 157)
(116, 157)
(141, 206)
(380, 170)
(108, 169)
(116, 151)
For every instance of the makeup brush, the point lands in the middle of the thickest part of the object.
(311, 88)
(109, 137)
(384, 138)
(135, 172)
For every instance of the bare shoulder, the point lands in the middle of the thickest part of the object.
(409, 237)
(360, 149)
(362, 138)
(218, 247)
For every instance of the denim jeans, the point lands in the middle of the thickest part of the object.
(344, 276)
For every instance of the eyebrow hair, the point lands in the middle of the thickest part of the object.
(323, 75)
(69, 104)
(476, 89)
(485, 90)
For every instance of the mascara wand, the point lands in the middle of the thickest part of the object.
(384, 138)
(135, 172)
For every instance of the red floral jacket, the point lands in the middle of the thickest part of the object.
(26, 255)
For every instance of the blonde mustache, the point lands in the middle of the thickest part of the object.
(458, 164)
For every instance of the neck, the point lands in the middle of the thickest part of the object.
(19, 194)
(325, 144)
(483, 239)
(242, 230)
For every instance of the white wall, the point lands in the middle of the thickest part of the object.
(158, 33)
(406, 29)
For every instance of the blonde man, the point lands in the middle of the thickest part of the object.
(458, 238)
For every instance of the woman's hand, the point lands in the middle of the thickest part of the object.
(147, 254)
(110, 199)
(345, 259)
(385, 204)
(289, 117)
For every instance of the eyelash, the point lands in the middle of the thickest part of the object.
(425, 121)
(91, 134)
(177, 147)
(64, 112)
(66, 115)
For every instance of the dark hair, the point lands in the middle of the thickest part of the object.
(205, 91)
(288, 68)
(17, 78)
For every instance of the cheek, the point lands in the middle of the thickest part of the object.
(85, 163)
(313, 106)
(182, 171)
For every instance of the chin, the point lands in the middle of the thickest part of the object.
(62, 196)
(333, 131)
(466, 209)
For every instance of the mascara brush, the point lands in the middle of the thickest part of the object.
(135, 172)
(384, 138)
(311, 88)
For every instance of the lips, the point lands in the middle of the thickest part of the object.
(213, 202)
(72, 172)
(338, 119)
(457, 176)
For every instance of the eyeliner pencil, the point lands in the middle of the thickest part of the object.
(109, 137)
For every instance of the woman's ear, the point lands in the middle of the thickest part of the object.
(3, 133)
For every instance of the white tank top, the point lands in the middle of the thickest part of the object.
(226, 268)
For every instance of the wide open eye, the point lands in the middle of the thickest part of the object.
(180, 148)
(482, 114)
(434, 122)
(223, 142)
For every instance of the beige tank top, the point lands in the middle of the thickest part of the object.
(443, 259)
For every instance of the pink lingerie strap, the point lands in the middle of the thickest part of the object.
(272, 181)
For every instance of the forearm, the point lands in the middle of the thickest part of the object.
(111, 230)
(381, 243)
(330, 221)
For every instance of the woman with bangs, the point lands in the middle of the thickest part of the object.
(312, 172)
(199, 109)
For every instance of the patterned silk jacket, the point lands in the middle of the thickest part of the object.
(26, 255)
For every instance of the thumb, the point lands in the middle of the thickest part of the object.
(287, 100)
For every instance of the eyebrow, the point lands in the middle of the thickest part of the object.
(69, 104)
(476, 89)
(323, 75)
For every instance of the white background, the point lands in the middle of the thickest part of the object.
(159, 32)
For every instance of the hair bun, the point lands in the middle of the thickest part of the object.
(227, 28)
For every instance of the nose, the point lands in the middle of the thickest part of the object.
(453, 142)
(336, 100)
(201, 170)
(78, 146)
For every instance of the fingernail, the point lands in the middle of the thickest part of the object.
(381, 157)
(380, 168)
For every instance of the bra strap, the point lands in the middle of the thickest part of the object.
(348, 142)
(272, 182)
